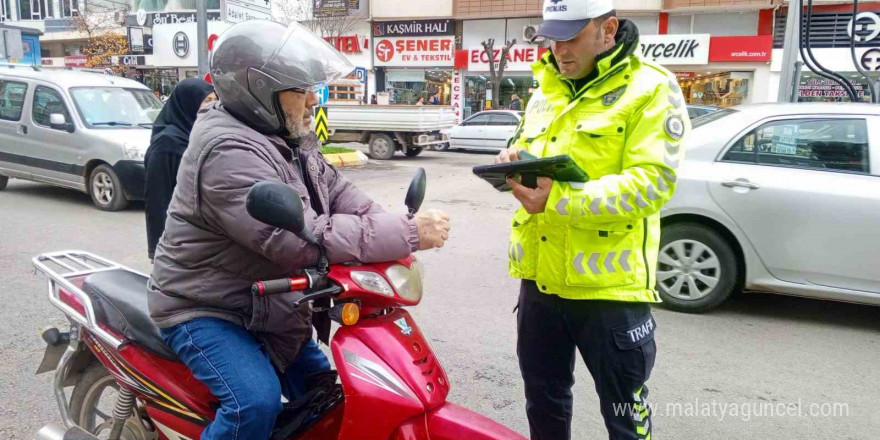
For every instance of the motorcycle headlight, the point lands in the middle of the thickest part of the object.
(407, 281)
(372, 282)
(133, 152)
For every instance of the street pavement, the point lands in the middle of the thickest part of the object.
(714, 373)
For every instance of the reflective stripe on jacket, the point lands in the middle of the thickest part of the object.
(624, 128)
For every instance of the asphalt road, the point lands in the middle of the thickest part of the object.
(756, 354)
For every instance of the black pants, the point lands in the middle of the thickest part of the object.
(616, 341)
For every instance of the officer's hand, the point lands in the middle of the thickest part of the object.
(508, 155)
(433, 228)
(535, 199)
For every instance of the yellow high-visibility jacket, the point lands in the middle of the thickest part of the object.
(624, 128)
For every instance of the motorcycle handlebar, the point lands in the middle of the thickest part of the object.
(282, 285)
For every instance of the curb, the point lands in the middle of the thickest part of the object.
(341, 160)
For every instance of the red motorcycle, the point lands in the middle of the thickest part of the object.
(128, 385)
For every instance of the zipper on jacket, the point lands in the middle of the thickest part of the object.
(645, 253)
(307, 181)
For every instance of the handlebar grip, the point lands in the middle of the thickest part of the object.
(282, 285)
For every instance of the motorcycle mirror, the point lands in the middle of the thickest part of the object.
(416, 193)
(277, 204)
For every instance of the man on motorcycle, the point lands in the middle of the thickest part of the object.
(251, 350)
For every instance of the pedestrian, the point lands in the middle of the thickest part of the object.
(515, 102)
(421, 101)
(435, 99)
(167, 144)
(374, 100)
(587, 252)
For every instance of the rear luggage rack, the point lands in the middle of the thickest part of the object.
(61, 268)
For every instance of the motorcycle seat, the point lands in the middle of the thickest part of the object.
(120, 301)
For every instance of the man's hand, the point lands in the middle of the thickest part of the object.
(508, 155)
(433, 228)
(534, 200)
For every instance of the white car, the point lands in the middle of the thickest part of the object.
(488, 130)
(781, 198)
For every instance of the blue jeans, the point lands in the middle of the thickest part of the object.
(231, 362)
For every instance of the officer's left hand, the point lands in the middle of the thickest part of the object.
(535, 199)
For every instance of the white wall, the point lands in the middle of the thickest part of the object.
(163, 36)
(638, 5)
(424, 9)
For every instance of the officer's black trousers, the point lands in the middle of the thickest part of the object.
(616, 341)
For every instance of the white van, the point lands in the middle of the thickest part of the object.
(76, 129)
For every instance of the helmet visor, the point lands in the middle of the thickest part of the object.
(305, 61)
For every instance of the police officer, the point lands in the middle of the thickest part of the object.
(587, 252)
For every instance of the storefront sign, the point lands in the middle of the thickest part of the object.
(826, 88)
(681, 76)
(676, 49)
(867, 26)
(348, 43)
(175, 44)
(414, 52)
(136, 39)
(143, 18)
(333, 8)
(413, 28)
(741, 48)
(871, 60)
(47, 61)
(130, 60)
(457, 98)
(76, 60)
(519, 58)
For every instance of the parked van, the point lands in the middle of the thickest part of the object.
(76, 129)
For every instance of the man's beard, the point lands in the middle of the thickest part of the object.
(295, 127)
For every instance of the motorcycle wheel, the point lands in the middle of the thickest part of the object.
(92, 402)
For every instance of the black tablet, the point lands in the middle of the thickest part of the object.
(559, 168)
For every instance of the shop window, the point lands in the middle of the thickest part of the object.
(721, 89)
(821, 144)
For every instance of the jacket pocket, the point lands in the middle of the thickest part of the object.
(602, 255)
(278, 314)
(600, 144)
(523, 249)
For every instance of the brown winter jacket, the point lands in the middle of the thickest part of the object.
(212, 250)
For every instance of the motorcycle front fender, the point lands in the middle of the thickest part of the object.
(451, 421)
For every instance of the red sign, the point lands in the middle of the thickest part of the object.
(684, 75)
(519, 58)
(457, 94)
(76, 60)
(346, 43)
(415, 51)
(385, 51)
(741, 48)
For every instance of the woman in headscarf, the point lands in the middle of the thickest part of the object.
(170, 138)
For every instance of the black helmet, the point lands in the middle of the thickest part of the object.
(255, 60)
